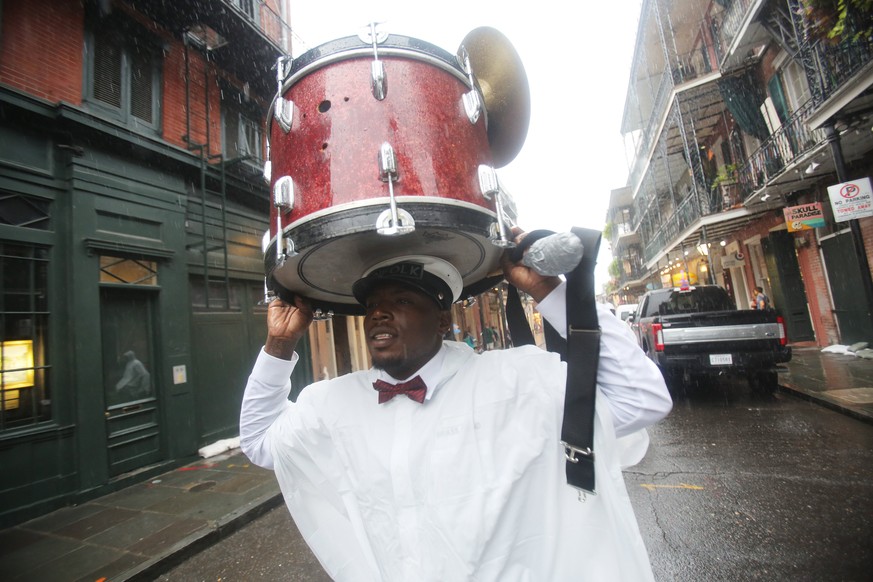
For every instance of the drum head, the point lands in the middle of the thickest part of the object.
(325, 270)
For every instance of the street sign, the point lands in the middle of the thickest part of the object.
(804, 217)
(851, 200)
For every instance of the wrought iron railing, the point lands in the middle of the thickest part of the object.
(684, 216)
(731, 24)
(665, 88)
(264, 17)
(837, 64)
(788, 143)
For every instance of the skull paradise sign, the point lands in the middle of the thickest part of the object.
(804, 217)
(851, 200)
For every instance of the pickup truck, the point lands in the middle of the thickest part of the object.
(697, 331)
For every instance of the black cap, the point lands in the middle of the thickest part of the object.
(434, 277)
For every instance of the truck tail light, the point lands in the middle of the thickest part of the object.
(783, 336)
(658, 333)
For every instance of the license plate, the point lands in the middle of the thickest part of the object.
(720, 360)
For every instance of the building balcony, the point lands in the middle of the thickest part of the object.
(243, 37)
(784, 149)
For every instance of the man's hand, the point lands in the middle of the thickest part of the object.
(286, 324)
(525, 278)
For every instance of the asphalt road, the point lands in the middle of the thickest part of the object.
(735, 487)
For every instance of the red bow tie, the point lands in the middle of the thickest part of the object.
(415, 389)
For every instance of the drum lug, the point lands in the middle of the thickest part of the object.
(473, 104)
(284, 248)
(270, 295)
(283, 194)
(490, 186)
(391, 222)
(283, 200)
(488, 182)
(283, 111)
(283, 67)
(319, 315)
(378, 80)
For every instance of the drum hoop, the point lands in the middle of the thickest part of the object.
(384, 202)
(363, 52)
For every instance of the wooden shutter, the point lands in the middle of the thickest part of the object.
(107, 70)
(141, 86)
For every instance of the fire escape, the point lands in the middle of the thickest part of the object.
(240, 39)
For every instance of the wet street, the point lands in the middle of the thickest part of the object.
(735, 487)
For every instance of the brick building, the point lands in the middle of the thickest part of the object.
(132, 207)
(740, 113)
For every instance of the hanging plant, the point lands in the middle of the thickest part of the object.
(615, 268)
(839, 20)
(726, 174)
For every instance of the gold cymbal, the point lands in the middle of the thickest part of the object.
(500, 74)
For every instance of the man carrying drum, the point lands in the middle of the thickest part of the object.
(443, 464)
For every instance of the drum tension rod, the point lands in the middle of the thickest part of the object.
(378, 80)
(490, 186)
(393, 221)
(283, 109)
(472, 100)
(283, 200)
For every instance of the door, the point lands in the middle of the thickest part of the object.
(847, 288)
(130, 387)
(786, 282)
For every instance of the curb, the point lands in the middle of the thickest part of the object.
(198, 541)
(818, 398)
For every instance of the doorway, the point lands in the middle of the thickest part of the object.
(847, 288)
(786, 281)
(130, 385)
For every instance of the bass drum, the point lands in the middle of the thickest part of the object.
(374, 155)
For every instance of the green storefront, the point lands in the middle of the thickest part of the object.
(132, 274)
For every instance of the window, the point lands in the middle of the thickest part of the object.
(217, 297)
(795, 85)
(128, 271)
(242, 137)
(123, 74)
(24, 211)
(24, 393)
(249, 7)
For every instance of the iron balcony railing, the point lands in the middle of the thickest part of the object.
(837, 64)
(684, 216)
(787, 144)
(632, 270)
(731, 24)
(262, 15)
(665, 89)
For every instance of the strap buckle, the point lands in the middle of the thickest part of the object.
(570, 452)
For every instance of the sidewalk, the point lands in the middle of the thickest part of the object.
(840, 382)
(142, 531)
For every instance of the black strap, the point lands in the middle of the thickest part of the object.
(581, 351)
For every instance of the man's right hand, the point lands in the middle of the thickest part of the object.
(286, 324)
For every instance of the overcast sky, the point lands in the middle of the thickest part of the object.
(577, 59)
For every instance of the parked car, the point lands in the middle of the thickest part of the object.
(698, 331)
(624, 311)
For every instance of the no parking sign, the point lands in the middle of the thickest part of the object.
(851, 199)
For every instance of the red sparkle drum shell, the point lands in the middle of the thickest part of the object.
(331, 153)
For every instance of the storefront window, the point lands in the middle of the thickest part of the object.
(24, 394)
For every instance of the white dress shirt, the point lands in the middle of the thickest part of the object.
(469, 485)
